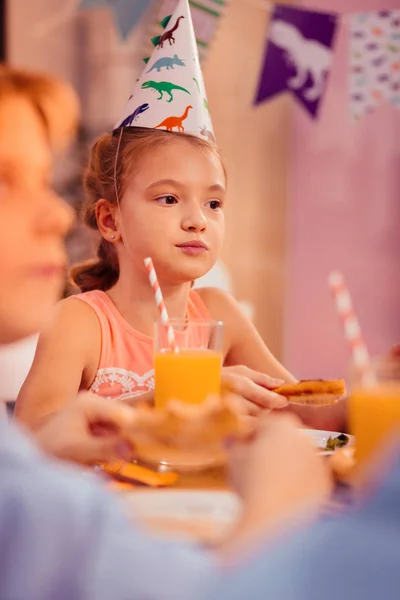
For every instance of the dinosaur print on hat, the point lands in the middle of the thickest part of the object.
(163, 87)
(170, 94)
(168, 63)
(135, 115)
(170, 122)
(169, 34)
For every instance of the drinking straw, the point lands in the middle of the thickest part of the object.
(351, 325)
(160, 303)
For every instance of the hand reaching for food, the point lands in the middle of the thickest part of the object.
(256, 389)
(87, 430)
(252, 390)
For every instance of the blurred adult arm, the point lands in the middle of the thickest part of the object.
(64, 538)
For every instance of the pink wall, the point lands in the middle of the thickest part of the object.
(344, 212)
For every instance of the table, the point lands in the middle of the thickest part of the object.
(201, 525)
(211, 479)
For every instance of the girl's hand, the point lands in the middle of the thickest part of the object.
(253, 391)
(255, 388)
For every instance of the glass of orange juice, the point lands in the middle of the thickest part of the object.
(375, 406)
(193, 371)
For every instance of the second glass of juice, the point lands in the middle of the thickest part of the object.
(375, 407)
(191, 372)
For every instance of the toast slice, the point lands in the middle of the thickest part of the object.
(317, 392)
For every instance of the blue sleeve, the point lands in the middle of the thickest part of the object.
(63, 538)
(351, 556)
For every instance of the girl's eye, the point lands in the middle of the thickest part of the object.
(214, 204)
(167, 200)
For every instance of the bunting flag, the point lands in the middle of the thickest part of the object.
(127, 13)
(298, 55)
(205, 16)
(374, 60)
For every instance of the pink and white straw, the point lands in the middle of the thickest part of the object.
(352, 327)
(160, 303)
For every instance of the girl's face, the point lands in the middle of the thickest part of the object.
(32, 225)
(173, 211)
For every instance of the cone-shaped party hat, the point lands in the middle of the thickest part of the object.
(170, 93)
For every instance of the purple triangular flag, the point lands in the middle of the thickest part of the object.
(298, 55)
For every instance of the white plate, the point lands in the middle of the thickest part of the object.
(201, 514)
(320, 439)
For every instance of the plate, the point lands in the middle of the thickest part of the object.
(320, 439)
(174, 459)
(205, 515)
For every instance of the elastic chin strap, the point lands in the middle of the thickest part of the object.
(115, 132)
(120, 132)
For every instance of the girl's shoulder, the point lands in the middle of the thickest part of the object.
(73, 324)
(81, 313)
(95, 308)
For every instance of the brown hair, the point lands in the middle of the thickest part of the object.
(54, 100)
(130, 145)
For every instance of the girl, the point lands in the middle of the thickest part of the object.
(168, 203)
(159, 193)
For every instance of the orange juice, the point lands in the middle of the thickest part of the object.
(374, 414)
(187, 375)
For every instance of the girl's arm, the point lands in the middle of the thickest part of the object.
(66, 360)
(243, 344)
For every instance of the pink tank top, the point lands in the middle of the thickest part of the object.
(126, 357)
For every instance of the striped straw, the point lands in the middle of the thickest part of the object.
(352, 328)
(160, 303)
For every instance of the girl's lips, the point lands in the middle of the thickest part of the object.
(194, 248)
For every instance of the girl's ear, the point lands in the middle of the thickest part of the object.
(107, 217)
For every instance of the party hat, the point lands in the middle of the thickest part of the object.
(170, 93)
